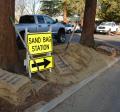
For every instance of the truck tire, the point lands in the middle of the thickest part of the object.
(61, 38)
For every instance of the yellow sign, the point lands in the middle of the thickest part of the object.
(39, 43)
(43, 64)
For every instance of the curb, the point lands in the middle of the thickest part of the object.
(67, 93)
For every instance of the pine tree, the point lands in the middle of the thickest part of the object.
(87, 36)
(8, 48)
(51, 8)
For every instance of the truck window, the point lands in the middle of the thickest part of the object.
(49, 20)
(27, 19)
(40, 19)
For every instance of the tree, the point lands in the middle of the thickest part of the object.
(110, 10)
(20, 6)
(52, 7)
(69, 5)
(8, 48)
(66, 8)
(23, 7)
(33, 6)
(77, 5)
(87, 36)
(65, 11)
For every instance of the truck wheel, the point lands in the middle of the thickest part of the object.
(61, 37)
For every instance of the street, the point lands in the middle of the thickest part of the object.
(100, 95)
(114, 40)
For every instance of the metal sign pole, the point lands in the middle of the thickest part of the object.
(27, 55)
(49, 54)
(68, 43)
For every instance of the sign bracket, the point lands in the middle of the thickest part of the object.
(28, 57)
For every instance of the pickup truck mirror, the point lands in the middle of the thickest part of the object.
(56, 20)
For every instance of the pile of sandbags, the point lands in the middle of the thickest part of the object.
(14, 88)
(109, 50)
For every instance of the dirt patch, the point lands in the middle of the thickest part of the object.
(71, 66)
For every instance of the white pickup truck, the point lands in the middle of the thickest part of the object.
(41, 23)
(106, 27)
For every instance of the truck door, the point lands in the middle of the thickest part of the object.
(42, 26)
(51, 24)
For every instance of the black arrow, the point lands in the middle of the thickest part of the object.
(45, 63)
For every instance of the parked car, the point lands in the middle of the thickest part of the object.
(106, 27)
(78, 29)
(41, 23)
(69, 28)
(97, 23)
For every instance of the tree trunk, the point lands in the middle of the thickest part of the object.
(8, 48)
(87, 36)
(65, 12)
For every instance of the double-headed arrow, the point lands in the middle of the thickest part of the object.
(45, 63)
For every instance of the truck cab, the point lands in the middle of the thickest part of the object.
(41, 23)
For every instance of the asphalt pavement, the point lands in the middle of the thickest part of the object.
(100, 95)
(114, 39)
